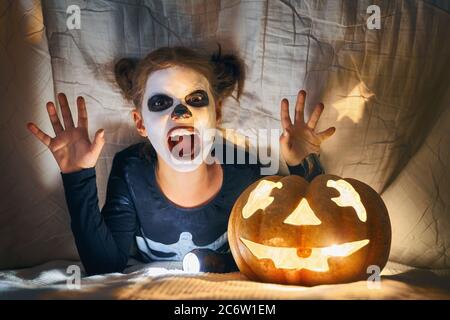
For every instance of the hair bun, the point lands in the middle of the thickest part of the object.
(230, 72)
(124, 72)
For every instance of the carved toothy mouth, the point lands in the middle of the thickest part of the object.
(314, 259)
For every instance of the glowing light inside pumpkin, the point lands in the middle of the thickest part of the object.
(348, 197)
(302, 215)
(345, 249)
(260, 197)
(287, 258)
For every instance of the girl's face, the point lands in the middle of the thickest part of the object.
(179, 114)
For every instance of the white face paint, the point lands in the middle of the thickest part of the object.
(179, 114)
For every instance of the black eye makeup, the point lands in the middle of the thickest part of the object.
(159, 102)
(198, 98)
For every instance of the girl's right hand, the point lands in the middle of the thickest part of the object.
(71, 147)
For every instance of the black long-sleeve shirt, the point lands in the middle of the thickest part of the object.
(137, 214)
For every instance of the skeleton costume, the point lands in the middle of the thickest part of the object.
(137, 219)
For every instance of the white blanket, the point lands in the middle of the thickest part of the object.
(166, 281)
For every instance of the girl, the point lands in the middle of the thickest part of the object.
(163, 198)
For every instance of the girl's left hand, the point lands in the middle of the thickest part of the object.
(300, 139)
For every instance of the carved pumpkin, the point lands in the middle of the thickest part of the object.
(286, 230)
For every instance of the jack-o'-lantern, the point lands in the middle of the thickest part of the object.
(286, 230)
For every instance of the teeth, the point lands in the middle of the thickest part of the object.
(181, 132)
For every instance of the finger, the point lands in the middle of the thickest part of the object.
(326, 133)
(43, 137)
(285, 139)
(98, 143)
(82, 113)
(300, 106)
(65, 111)
(286, 121)
(56, 124)
(315, 115)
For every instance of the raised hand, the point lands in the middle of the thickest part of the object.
(299, 139)
(71, 146)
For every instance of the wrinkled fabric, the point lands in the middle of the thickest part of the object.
(386, 91)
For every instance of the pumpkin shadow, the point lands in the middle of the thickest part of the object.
(422, 278)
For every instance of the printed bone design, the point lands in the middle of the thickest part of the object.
(180, 248)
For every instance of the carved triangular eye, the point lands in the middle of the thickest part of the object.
(303, 215)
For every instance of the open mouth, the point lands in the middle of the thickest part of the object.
(183, 142)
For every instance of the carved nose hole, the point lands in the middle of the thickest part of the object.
(181, 112)
(303, 252)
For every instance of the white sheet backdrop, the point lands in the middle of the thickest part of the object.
(386, 91)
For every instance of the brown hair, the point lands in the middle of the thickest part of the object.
(223, 72)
